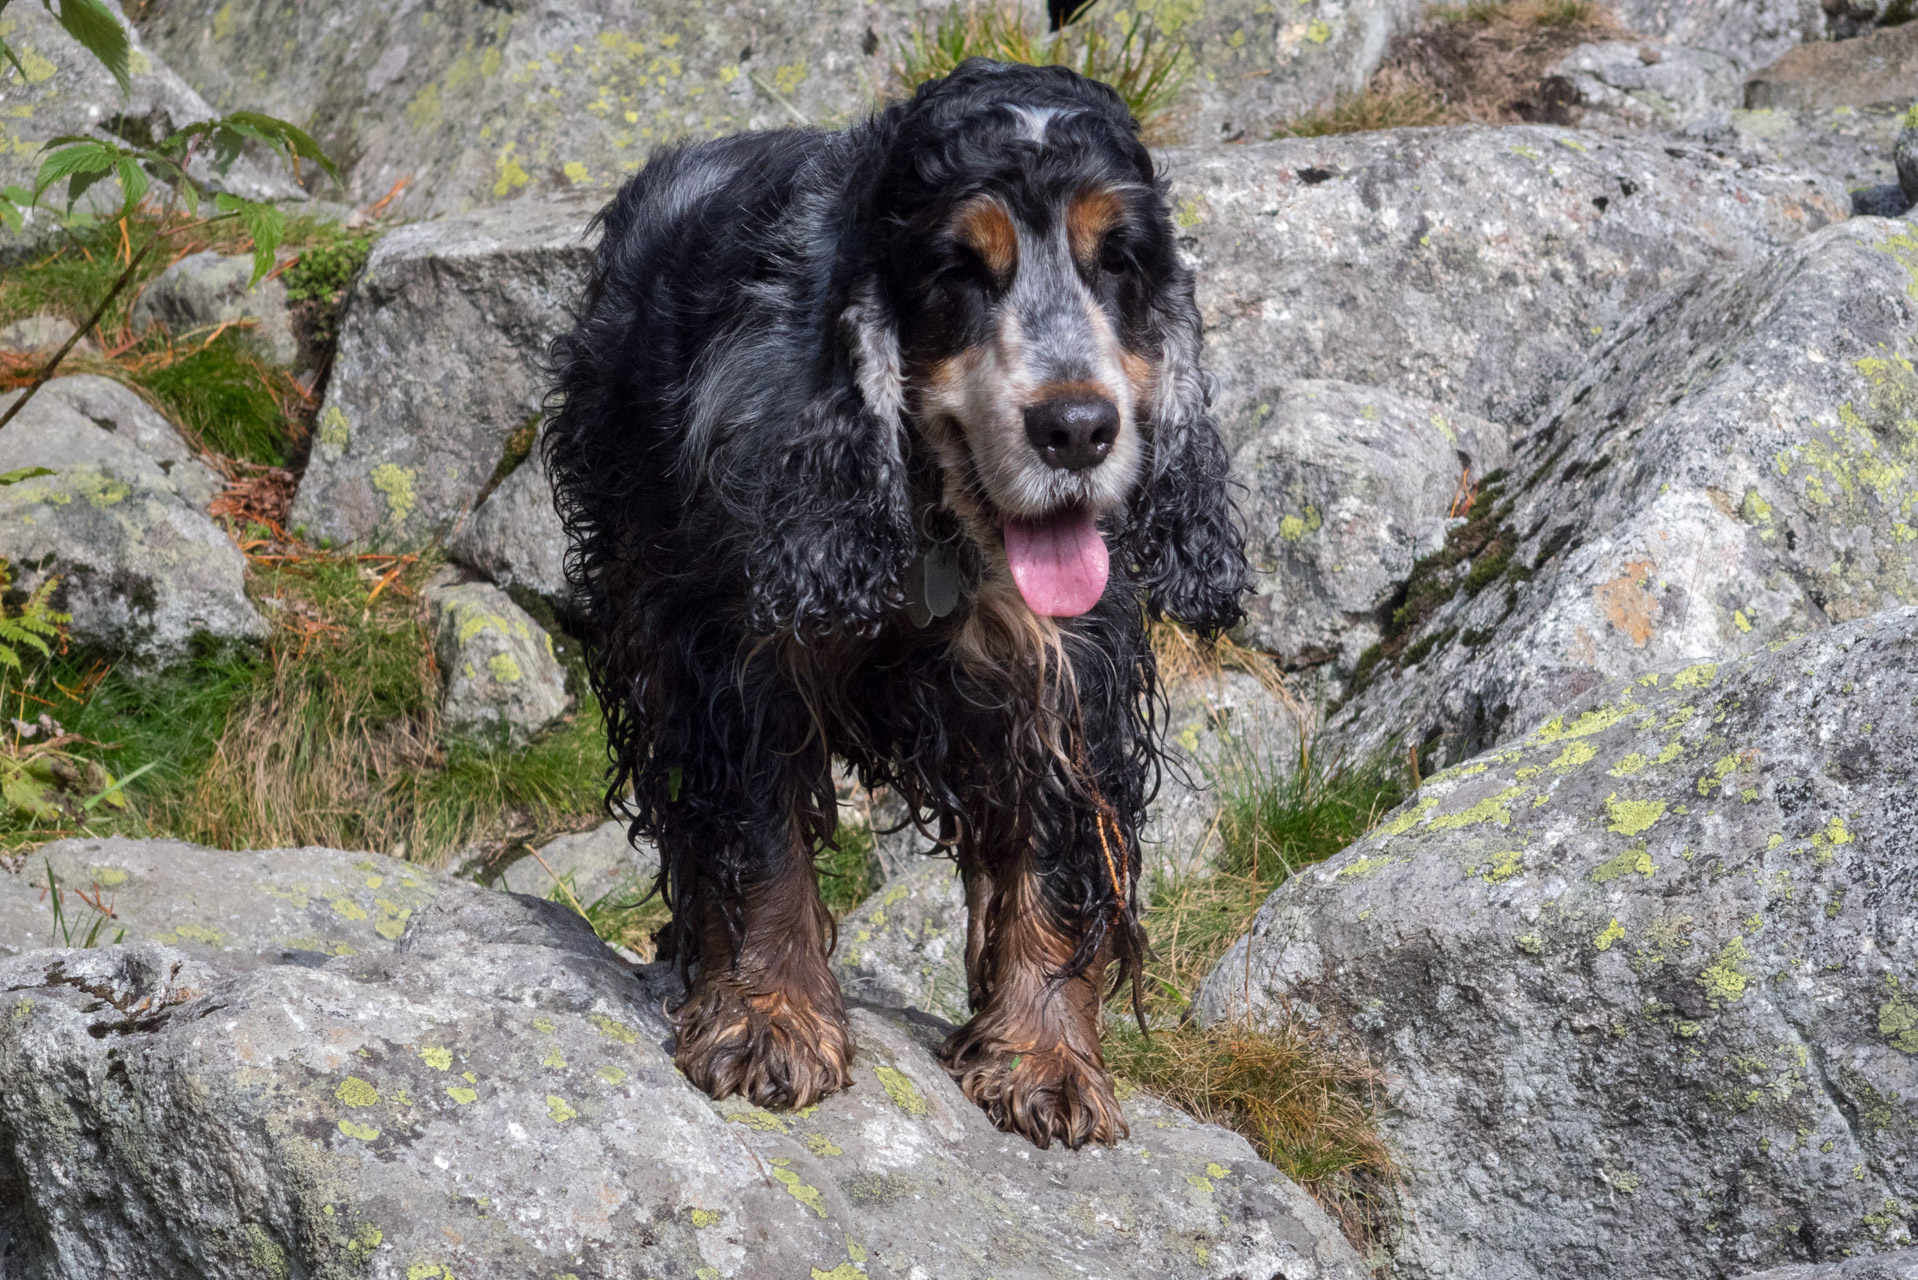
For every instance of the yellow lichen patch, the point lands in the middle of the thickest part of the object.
(820, 1145)
(1629, 817)
(1574, 755)
(798, 1190)
(1721, 769)
(558, 1108)
(347, 909)
(1409, 819)
(355, 1092)
(1670, 752)
(1363, 866)
(1696, 677)
(844, 1271)
(610, 1074)
(554, 1059)
(1491, 809)
(438, 1058)
(755, 1118)
(904, 1094)
(461, 1094)
(395, 483)
(504, 669)
(200, 933)
(1504, 866)
(1632, 860)
(429, 1271)
(1595, 721)
(613, 1029)
(1628, 765)
(1608, 935)
(704, 1218)
(353, 1129)
(1724, 979)
(1836, 833)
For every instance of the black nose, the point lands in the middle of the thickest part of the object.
(1073, 433)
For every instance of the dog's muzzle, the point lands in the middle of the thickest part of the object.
(1073, 433)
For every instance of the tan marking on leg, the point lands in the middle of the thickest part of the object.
(770, 1025)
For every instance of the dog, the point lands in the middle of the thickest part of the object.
(885, 444)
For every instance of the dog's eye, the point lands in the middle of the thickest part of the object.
(1113, 257)
(966, 267)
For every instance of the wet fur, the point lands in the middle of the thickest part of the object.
(746, 464)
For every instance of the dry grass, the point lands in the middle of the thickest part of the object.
(1309, 1106)
(1482, 62)
(1121, 48)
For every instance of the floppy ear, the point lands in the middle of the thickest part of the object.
(834, 529)
(1186, 532)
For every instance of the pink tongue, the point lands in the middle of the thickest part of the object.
(1059, 562)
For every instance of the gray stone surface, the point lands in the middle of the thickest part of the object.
(906, 945)
(1752, 33)
(495, 1098)
(239, 909)
(1648, 85)
(115, 407)
(1346, 487)
(514, 538)
(1879, 69)
(503, 683)
(1851, 146)
(438, 364)
(1474, 266)
(42, 334)
(478, 104)
(207, 289)
(1642, 981)
(143, 570)
(1905, 154)
(594, 863)
(1737, 465)
(1899, 1264)
(66, 91)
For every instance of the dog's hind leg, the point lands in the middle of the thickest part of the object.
(764, 1017)
(1030, 1055)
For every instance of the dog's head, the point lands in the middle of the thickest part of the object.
(1022, 313)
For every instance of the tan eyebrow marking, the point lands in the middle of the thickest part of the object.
(985, 225)
(1090, 215)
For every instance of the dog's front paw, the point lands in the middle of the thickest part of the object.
(777, 1051)
(1055, 1093)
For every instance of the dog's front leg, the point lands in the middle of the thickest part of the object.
(1030, 1055)
(764, 1017)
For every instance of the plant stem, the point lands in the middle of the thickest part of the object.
(40, 379)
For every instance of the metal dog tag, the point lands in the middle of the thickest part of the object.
(942, 579)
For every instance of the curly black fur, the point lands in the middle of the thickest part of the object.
(743, 514)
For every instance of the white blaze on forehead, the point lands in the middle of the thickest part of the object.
(1036, 119)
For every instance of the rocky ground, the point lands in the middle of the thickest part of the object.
(1579, 447)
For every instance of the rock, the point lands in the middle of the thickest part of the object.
(514, 538)
(504, 685)
(241, 910)
(1851, 146)
(65, 91)
(495, 1097)
(143, 571)
(476, 105)
(1259, 66)
(593, 863)
(1880, 69)
(1905, 154)
(40, 335)
(115, 407)
(1641, 982)
(1473, 266)
(1222, 727)
(207, 289)
(1738, 465)
(1633, 84)
(1346, 487)
(1899, 1264)
(1752, 33)
(906, 945)
(439, 363)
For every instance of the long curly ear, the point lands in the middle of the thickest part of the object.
(834, 529)
(1187, 534)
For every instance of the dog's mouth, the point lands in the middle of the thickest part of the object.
(1058, 561)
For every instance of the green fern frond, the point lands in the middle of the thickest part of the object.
(34, 625)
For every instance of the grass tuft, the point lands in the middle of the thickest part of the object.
(1126, 50)
(223, 396)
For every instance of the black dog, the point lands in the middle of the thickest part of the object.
(885, 444)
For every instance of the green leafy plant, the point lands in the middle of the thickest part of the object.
(1126, 50)
(34, 624)
(80, 162)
